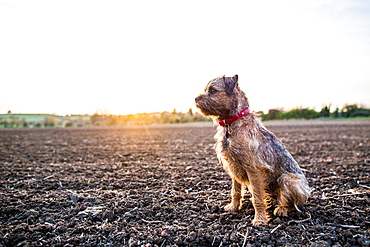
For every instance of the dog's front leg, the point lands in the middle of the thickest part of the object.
(257, 189)
(236, 197)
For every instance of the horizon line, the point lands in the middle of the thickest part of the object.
(194, 110)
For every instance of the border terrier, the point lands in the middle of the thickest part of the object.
(252, 155)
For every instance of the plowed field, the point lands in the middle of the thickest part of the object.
(163, 186)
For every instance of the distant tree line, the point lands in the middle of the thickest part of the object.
(98, 119)
(104, 119)
(42, 121)
(147, 118)
(348, 111)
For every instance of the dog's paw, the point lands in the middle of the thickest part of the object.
(281, 211)
(259, 222)
(260, 219)
(231, 207)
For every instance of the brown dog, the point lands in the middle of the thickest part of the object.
(251, 154)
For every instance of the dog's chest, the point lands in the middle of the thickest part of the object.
(228, 148)
(231, 142)
(236, 146)
(226, 138)
(229, 154)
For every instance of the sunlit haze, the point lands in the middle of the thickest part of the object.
(77, 57)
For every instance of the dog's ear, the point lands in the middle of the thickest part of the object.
(230, 83)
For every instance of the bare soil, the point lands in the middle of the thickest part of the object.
(162, 186)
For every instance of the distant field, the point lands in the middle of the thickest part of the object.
(51, 120)
(30, 117)
(40, 117)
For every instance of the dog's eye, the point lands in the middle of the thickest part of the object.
(212, 90)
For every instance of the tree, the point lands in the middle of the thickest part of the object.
(24, 123)
(336, 113)
(273, 114)
(349, 110)
(190, 112)
(14, 121)
(50, 122)
(96, 119)
(325, 112)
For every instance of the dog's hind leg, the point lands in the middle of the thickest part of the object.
(293, 192)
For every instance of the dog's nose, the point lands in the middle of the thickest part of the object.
(197, 99)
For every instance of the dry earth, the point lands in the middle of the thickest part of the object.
(162, 186)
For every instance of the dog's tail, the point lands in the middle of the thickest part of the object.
(294, 190)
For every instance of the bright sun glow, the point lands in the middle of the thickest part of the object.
(145, 56)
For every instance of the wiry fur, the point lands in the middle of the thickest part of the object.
(251, 154)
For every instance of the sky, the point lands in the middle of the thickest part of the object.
(123, 57)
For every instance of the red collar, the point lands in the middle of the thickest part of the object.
(233, 118)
